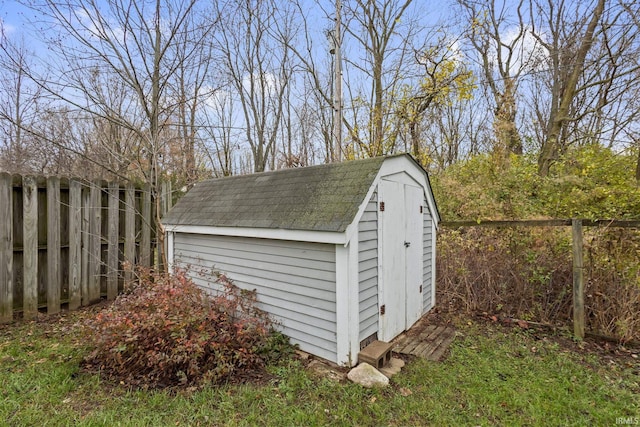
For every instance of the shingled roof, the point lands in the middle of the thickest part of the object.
(315, 198)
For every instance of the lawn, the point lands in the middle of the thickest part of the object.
(493, 375)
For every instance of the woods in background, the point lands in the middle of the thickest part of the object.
(181, 90)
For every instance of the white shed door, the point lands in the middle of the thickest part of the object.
(413, 260)
(401, 262)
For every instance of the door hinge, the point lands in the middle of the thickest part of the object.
(383, 308)
(420, 288)
(420, 208)
(381, 206)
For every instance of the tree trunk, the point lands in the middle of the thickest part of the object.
(638, 167)
(505, 120)
(415, 143)
(550, 149)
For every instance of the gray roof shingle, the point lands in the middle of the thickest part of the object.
(315, 198)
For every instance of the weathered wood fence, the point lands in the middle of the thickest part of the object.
(64, 241)
(577, 249)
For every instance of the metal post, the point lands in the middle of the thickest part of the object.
(337, 98)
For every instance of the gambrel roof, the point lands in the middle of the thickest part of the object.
(315, 198)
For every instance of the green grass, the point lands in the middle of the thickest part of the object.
(493, 376)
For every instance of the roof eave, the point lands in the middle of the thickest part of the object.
(330, 237)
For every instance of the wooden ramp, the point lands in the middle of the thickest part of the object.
(428, 341)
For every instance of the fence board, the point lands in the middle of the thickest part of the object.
(63, 241)
(129, 232)
(53, 245)
(95, 252)
(112, 250)
(145, 242)
(6, 248)
(30, 246)
(164, 206)
(86, 240)
(75, 243)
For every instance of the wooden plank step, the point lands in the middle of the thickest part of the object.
(400, 343)
(429, 330)
(415, 341)
(443, 345)
(428, 341)
(437, 343)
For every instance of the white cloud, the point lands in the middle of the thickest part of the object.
(456, 51)
(6, 29)
(103, 31)
(527, 53)
(218, 99)
(269, 80)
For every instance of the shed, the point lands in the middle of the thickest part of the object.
(340, 254)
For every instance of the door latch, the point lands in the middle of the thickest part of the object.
(407, 244)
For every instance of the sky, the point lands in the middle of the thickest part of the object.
(15, 16)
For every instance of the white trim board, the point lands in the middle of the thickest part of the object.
(262, 233)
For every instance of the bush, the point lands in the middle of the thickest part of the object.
(587, 182)
(526, 272)
(516, 272)
(166, 331)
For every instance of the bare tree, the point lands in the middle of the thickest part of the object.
(498, 41)
(190, 89)
(220, 140)
(315, 115)
(21, 102)
(634, 133)
(567, 59)
(130, 40)
(253, 46)
(454, 131)
(444, 78)
(383, 34)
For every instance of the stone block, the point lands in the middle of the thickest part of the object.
(377, 354)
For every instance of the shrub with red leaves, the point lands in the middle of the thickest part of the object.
(165, 331)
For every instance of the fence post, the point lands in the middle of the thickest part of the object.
(75, 243)
(6, 248)
(30, 245)
(53, 245)
(112, 236)
(129, 232)
(578, 279)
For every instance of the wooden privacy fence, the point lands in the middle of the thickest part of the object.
(65, 241)
(577, 251)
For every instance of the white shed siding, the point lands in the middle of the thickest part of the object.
(368, 269)
(295, 281)
(427, 253)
